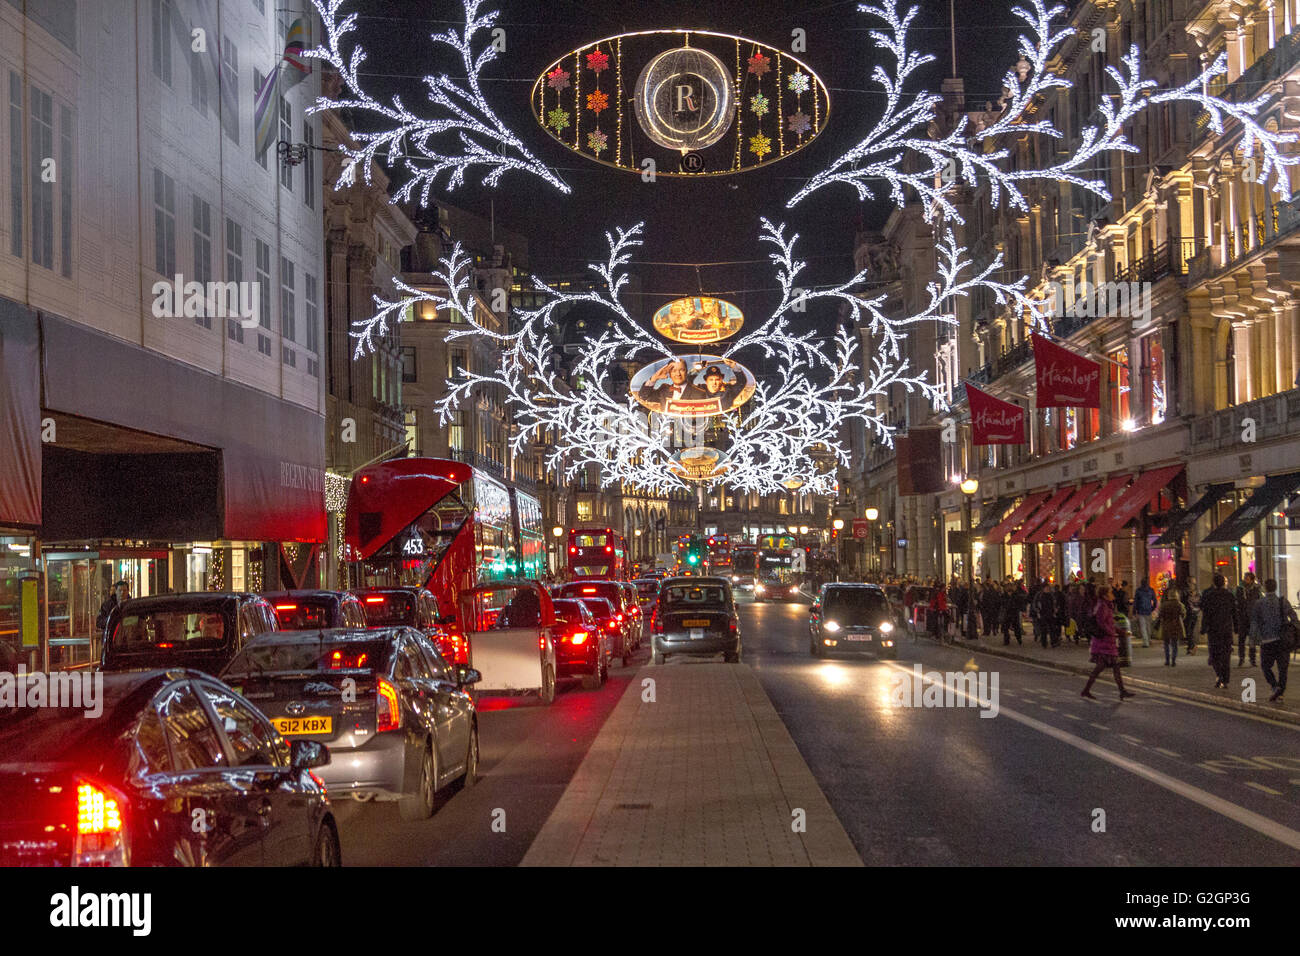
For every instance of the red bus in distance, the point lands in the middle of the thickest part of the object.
(596, 553)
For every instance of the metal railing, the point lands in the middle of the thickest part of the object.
(1275, 416)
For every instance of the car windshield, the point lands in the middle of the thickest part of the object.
(308, 656)
(303, 615)
(689, 595)
(393, 608)
(855, 604)
(166, 630)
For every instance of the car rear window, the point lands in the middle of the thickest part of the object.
(647, 587)
(164, 630)
(599, 607)
(569, 611)
(308, 656)
(382, 609)
(683, 595)
(586, 589)
(303, 615)
(856, 602)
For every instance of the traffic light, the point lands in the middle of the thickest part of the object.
(692, 558)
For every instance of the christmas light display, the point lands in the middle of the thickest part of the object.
(464, 132)
(902, 131)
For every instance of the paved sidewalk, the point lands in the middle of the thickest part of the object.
(1191, 677)
(706, 775)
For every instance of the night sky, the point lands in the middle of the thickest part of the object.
(714, 220)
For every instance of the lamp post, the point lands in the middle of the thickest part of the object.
(969, 487)
(873, 555)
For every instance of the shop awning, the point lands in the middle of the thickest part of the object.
(1090, 506)
(1138, 495)
(1065, 512)
(1035, 520)
(992, 514)
(1257, 507)
(1018, 515)
(1184, 522)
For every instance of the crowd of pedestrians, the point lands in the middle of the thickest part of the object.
(1109, 618)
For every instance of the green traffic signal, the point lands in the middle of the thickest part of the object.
(693, 559)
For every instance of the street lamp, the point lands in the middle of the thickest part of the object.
(873, 514)
(557, 531)
(838, 524)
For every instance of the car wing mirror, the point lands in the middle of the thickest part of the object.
(308, 754)
(466, 676)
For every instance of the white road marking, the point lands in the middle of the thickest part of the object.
(1162, 750)
(1098, 726)
(1260, 786)
(1072, 717)
(1247, 818)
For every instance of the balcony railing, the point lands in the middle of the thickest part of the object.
(1273, 222)
(1274, 64)
(1275, 416)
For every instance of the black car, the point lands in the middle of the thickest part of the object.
(202, 630)
(178, 769)
(695, 616)
(417, 608)
(396, 716)
(622, 631)
(852, 618)
(584, 648)
(312, 610)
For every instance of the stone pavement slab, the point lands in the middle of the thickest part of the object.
(706, 774)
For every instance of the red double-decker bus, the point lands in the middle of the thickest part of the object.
(597, 553)
(441, 525)
(719, 554)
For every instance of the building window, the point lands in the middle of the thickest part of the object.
(164, 223)
(412, 433)
(408, 364)
(198, 83)
(162, 40)
(235, 272)
(456, 432)
(1155, 399)
(40, 153)
(202, 252)
(288, 314)
(260, 6)
(1120, 391)
(16, 163)
(66, 165)
(584, 511)
(263, 266)
(230, 77)
(309, 165)
(312, 317)
(286, 134)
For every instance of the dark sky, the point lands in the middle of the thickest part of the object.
(712, 220)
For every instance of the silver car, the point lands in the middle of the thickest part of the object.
(397, 718)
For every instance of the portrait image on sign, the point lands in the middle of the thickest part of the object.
(693, 386)
(701, 320)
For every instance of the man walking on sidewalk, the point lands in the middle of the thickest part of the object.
(1267, 619)
(1218, 620)
(1144, 605)
(1248, 595)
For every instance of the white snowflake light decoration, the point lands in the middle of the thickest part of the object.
(464, 132)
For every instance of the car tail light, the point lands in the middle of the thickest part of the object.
(733, 626)
(541, 643)
(579, 637)
(612, 624)
(573, 550)
(656, 625)
(374, 600)
(286, 607)
(389, 714)
(619, 617)
(101, 833)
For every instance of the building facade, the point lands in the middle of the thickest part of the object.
(161, 286)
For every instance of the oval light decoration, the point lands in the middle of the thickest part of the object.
(693, 386)
(698, 320)
(693, 102)
(700, 463)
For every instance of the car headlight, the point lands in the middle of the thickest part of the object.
(758, 587)
(735, 577)
(886, 627)
(794, 589)
(831, 626)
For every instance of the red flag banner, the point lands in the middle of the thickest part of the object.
(993, 421)
(1065, 380)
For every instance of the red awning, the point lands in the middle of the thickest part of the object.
(1133, 500)
(1090, 507)
(1064, 513)
(1017, 515)
(1042, 514)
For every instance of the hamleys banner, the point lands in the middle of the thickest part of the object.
(993, 421)
(1065, 380)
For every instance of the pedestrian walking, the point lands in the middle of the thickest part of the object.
(1104, 646)
(1270, 617)
(1218, 624)
(1044, 614)
(1121, 597)
(1013, 602)
(937, 619)
(1060, 619)
(991, 608)
(1248, 594)
(1144, 605)
(1170, 618)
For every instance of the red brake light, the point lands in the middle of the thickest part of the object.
(541, 643)
(97, 812)
(612, 624)
(167, 645)
(365, 479)
(619, 616)
(374, 600)
(389, 713)
(579, 637)
(286, 607)
(609, 549)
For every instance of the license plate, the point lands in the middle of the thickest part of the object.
(303, 725)
(697, 633)
(704, 623)
(857, 637)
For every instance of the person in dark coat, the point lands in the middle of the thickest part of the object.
(1104, 646)
(1044, 615)
(1061, 616)
(1013, 602)
(1219, 624)
(990, 606)
(1247, 596)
